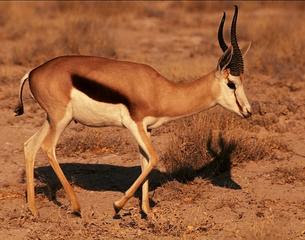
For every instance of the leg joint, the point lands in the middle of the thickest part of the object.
(154, 160)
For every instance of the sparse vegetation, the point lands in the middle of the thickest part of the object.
(231, 178)
(95, 141)
(197, 141)
(287, 175)
(278, 47)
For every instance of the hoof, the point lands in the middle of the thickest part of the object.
(116, 208)
(116, 216)
(144, 215)
(34, 212)
(145, 210)
(76, 213)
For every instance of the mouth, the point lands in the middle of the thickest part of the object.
(241, 113)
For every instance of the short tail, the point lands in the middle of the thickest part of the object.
(19, 108)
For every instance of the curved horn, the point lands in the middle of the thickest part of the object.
(221, 41)
(236, 65)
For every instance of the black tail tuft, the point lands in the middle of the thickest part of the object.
(19, 110)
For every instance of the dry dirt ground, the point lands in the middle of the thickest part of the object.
(220, 176)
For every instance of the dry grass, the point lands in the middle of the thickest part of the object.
(278, 43)
(178, 39)
(213, 136)
(70, 30)
(96, 141)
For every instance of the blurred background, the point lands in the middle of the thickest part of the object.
(158, 33)
(203, 157)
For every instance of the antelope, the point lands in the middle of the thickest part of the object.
(98, 92)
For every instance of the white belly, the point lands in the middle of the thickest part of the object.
(93, 113)
(154, 122)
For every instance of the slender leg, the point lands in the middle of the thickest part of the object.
(138, 130)
(145, 185)
(31, 147)
(49, 146)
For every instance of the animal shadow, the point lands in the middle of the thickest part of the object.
(93, 177)
(105, 177)
(218, 170)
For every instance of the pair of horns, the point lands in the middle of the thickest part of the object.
(236, 65)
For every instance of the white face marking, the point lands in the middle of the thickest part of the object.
(93, 113)
(234, 100)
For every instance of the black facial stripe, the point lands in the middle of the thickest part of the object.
(239, 106)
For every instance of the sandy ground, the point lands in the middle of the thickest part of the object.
(261, 199)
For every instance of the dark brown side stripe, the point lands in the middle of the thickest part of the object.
(97, 91)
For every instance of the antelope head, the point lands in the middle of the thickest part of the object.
(229, 74)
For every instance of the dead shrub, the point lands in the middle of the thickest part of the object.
(199, 140)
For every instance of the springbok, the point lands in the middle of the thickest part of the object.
(98, 92)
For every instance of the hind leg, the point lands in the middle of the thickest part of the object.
(49, 145)
(31, 147)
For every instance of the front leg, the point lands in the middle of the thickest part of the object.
(145, 186)
(138, 131)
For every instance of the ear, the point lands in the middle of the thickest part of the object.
(245, 49)
(225, 59)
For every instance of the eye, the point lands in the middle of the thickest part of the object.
(231, 85)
